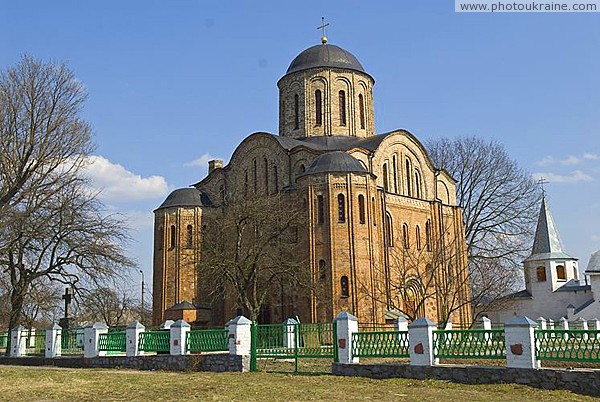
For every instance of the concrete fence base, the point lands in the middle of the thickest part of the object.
(581, 381)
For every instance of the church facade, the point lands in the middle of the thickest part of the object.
(371, 201)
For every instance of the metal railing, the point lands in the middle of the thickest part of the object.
(469, 344)
(207, 340)
(35, 342)
(568, 345)
(71, 342)
(154, 341)
(114, 341)
(380, 344)
(3, 340)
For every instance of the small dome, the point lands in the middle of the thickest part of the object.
(337, 161)
(186, 197)
(325, 56)
(594, 263)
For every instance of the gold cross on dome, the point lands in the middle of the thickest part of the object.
(322, 27)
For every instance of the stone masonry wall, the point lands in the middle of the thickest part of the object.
(583, 381)
(209, 362)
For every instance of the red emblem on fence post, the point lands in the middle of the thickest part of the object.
(419, 349)
(342, 343)
(516, 349)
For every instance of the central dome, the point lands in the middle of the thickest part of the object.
(325, 56)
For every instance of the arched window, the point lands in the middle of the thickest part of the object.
(389, 230)
(405, 239)
(417, 184)
(341, 208)
(322, 270)
(173, 237)
(342, 108)
(296, 112)
(395, 174)
(245, 182)
(318, 108)
(189, 236)
(302, 169)
(320, 210)
(361, 110)
(160, 238)
(418, 237)
(575, 273)
(540, 272)
(361, 208)
(266, 176)
(408, 178)
(275, 180)
(345, 288)
(428, 234)
(561, 274)
(255, 175)
(385, 177)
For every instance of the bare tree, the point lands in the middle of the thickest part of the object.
(251, 250)
(113, 306)
(499, 201)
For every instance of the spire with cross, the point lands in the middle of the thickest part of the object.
(322, 27)
(541, 182)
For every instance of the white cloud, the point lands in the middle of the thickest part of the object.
(596, 237)
(202, 161)
(573, 177)
(139, 220)
(568, 161)
(119, 184)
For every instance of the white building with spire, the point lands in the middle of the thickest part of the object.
(553, 286)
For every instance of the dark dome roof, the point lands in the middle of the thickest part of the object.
(325, 56)
(186, 197)
(336, 161)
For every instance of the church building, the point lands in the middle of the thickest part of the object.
(368, 199)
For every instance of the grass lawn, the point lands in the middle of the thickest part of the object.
(33, 383)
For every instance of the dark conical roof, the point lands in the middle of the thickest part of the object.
(547, 243)
(186, 197)
(336, 161)
(325, 56)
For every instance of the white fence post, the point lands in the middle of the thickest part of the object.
(520, 343)
(346, 325)
(486, 323)
(240, 336)
(178, 337)
(564, 324)
(91, 335)
(401, 324)
(53, 341)
(420, 342)
(17, 343)
(132, 337)
(289, 336)
(584, 326)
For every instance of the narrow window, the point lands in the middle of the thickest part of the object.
(266, 176)
(361, 110)
(172, 243)
(341, 208)
(408, 178)
(428, 235)
(561, 273)
(296, 112)
(395, 169)
(342, 108)
(275, 180)
(302, 169)
(418, 237)
(318, 108)
(575, 273)
(361, 208)
(320, 210)
(417, 184)
(345, 291)
(255, 176)
(385, 177)
(540, 272)
(374, 211)
(189, 236)
(389, 230)
(245, 182)
(160, 238)
(405, 239)
(322, 270)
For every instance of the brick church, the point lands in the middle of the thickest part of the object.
(382, 226)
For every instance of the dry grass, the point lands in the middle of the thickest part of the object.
(35, 384)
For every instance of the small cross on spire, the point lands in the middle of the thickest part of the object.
(322, 27)
(541, 182)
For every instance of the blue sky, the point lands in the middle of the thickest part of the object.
(172, 84)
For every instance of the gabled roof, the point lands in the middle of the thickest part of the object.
(547, 244)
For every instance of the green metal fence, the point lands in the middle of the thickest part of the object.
(114, 341)
(469, 344)
(207, 340)
(71, 342)
(4, 340)
(380, 344)
(293, 341)
(35, 342)
(154, 341)
(568, 345)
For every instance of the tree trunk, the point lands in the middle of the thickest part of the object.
(17, 298)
